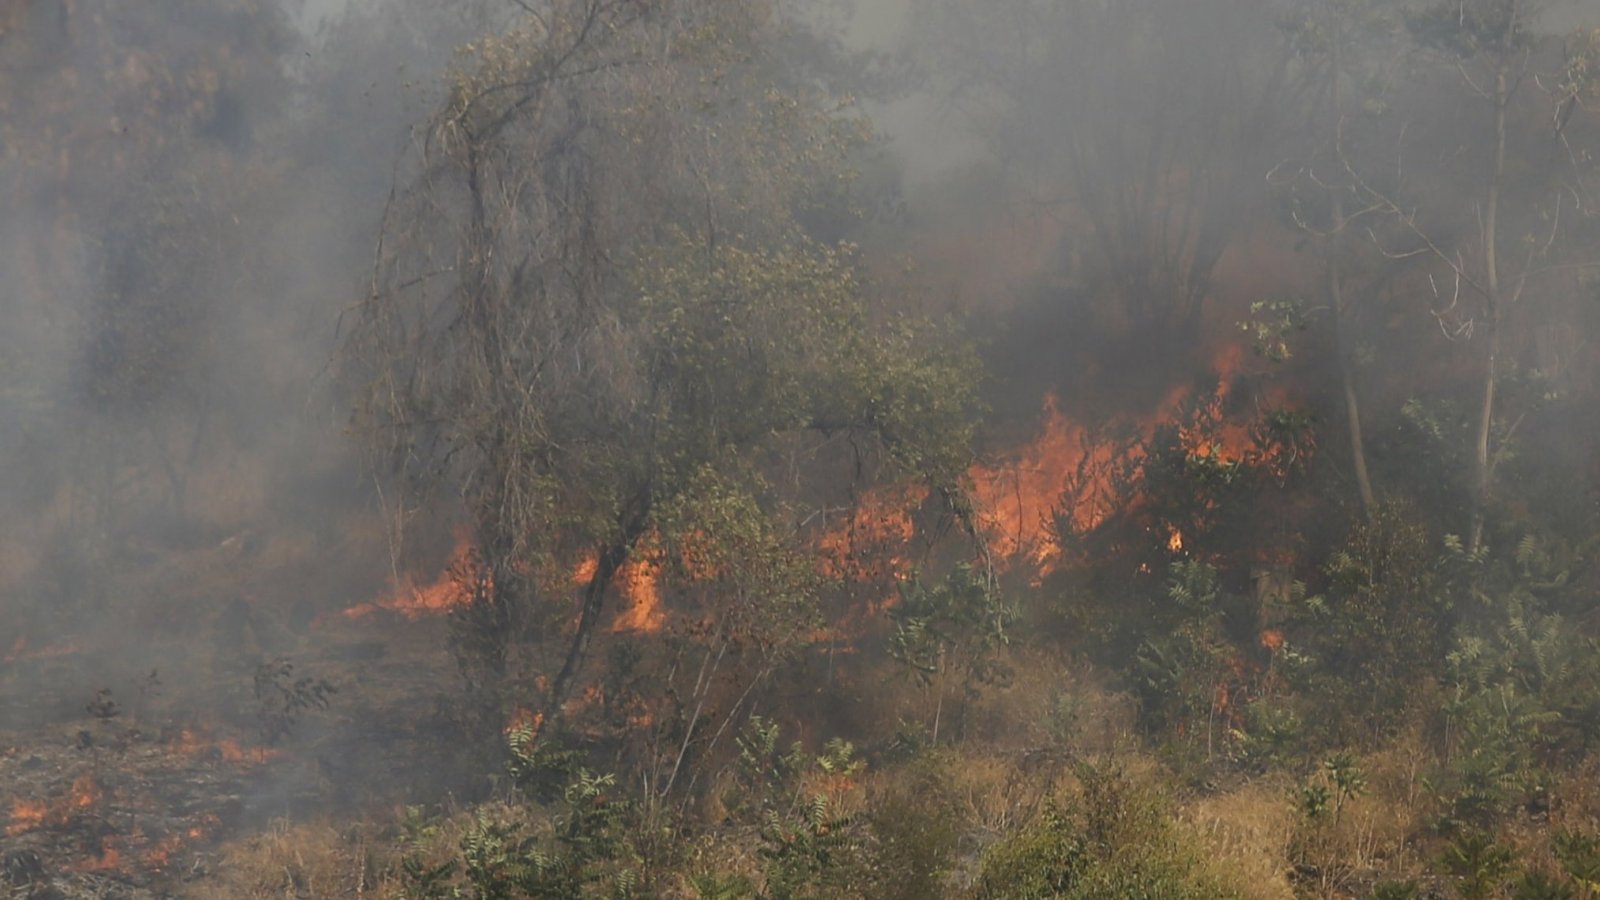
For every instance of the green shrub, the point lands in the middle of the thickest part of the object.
(1116, 840)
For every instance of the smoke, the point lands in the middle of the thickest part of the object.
(190, 203)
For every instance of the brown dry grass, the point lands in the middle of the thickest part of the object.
(302, 860)
(1247, 832)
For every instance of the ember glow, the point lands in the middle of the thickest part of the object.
(110, 859)
(639, 581)
(1018, 495)
(1065, 473)
(25, 816)
(20, 651)
(191, 743)
(525, 719)
(416, 601)
(872, 542)
(85, 793)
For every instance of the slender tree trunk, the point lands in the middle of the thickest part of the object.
(1352, 400)
(1336, 294)
(594, 595)
(1482, 470)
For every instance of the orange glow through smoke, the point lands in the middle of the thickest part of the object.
(1064, 473)
(638, 581)
(19, 651)
(226, 749)
(416, 601)
(84, 792)
(26, 815)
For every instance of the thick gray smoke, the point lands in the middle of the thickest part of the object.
(190, 201)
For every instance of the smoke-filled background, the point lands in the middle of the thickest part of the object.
(890, 448)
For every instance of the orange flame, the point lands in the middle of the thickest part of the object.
(109, 858)
(525, 718)
(19, 651)
(85, 793)
(225, 749)
(1017, 497)
(158, 856)
(25, 816)
(416, 601)
(871, 543)
(638, 580)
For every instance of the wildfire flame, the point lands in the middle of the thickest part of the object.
(110, 858)
(1016, 498)
(191, 743)
(85, 793)
(19, 651)
(1020, 496)
(415, 601)
(525, 718)
(871, 543)
(639, 581)
(1062, 474)
(25, 816)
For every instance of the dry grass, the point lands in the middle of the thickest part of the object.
(305, 860)
(1051, 702)
(1247, 832)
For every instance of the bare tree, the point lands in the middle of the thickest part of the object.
(1519, 197)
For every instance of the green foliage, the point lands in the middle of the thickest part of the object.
(539, 768)
(1479, 866)
(1345, 778)
(1396, 890)
(1579, 855)
(578, 844)
(615, 387)
(582, 852)
(1321, 801)
(1044, 859)
(419, 878)
(1272, 325)
(1179, 670)
(808, 851)
(716, 886)
(281, 698)
(1491, 762)
(1471, 27)
(1272, 734)
(1542, 886)
(1382, 623)
(806, 848)
(958, 626)
(1115, 840)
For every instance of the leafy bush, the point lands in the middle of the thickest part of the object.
(1116, 840)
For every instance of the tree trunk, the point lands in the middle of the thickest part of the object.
(1336, 298)
(1482, 470)
(1352, 400)
(594, 595)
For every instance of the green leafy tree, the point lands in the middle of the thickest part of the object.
(599, 320)
(957, 626)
